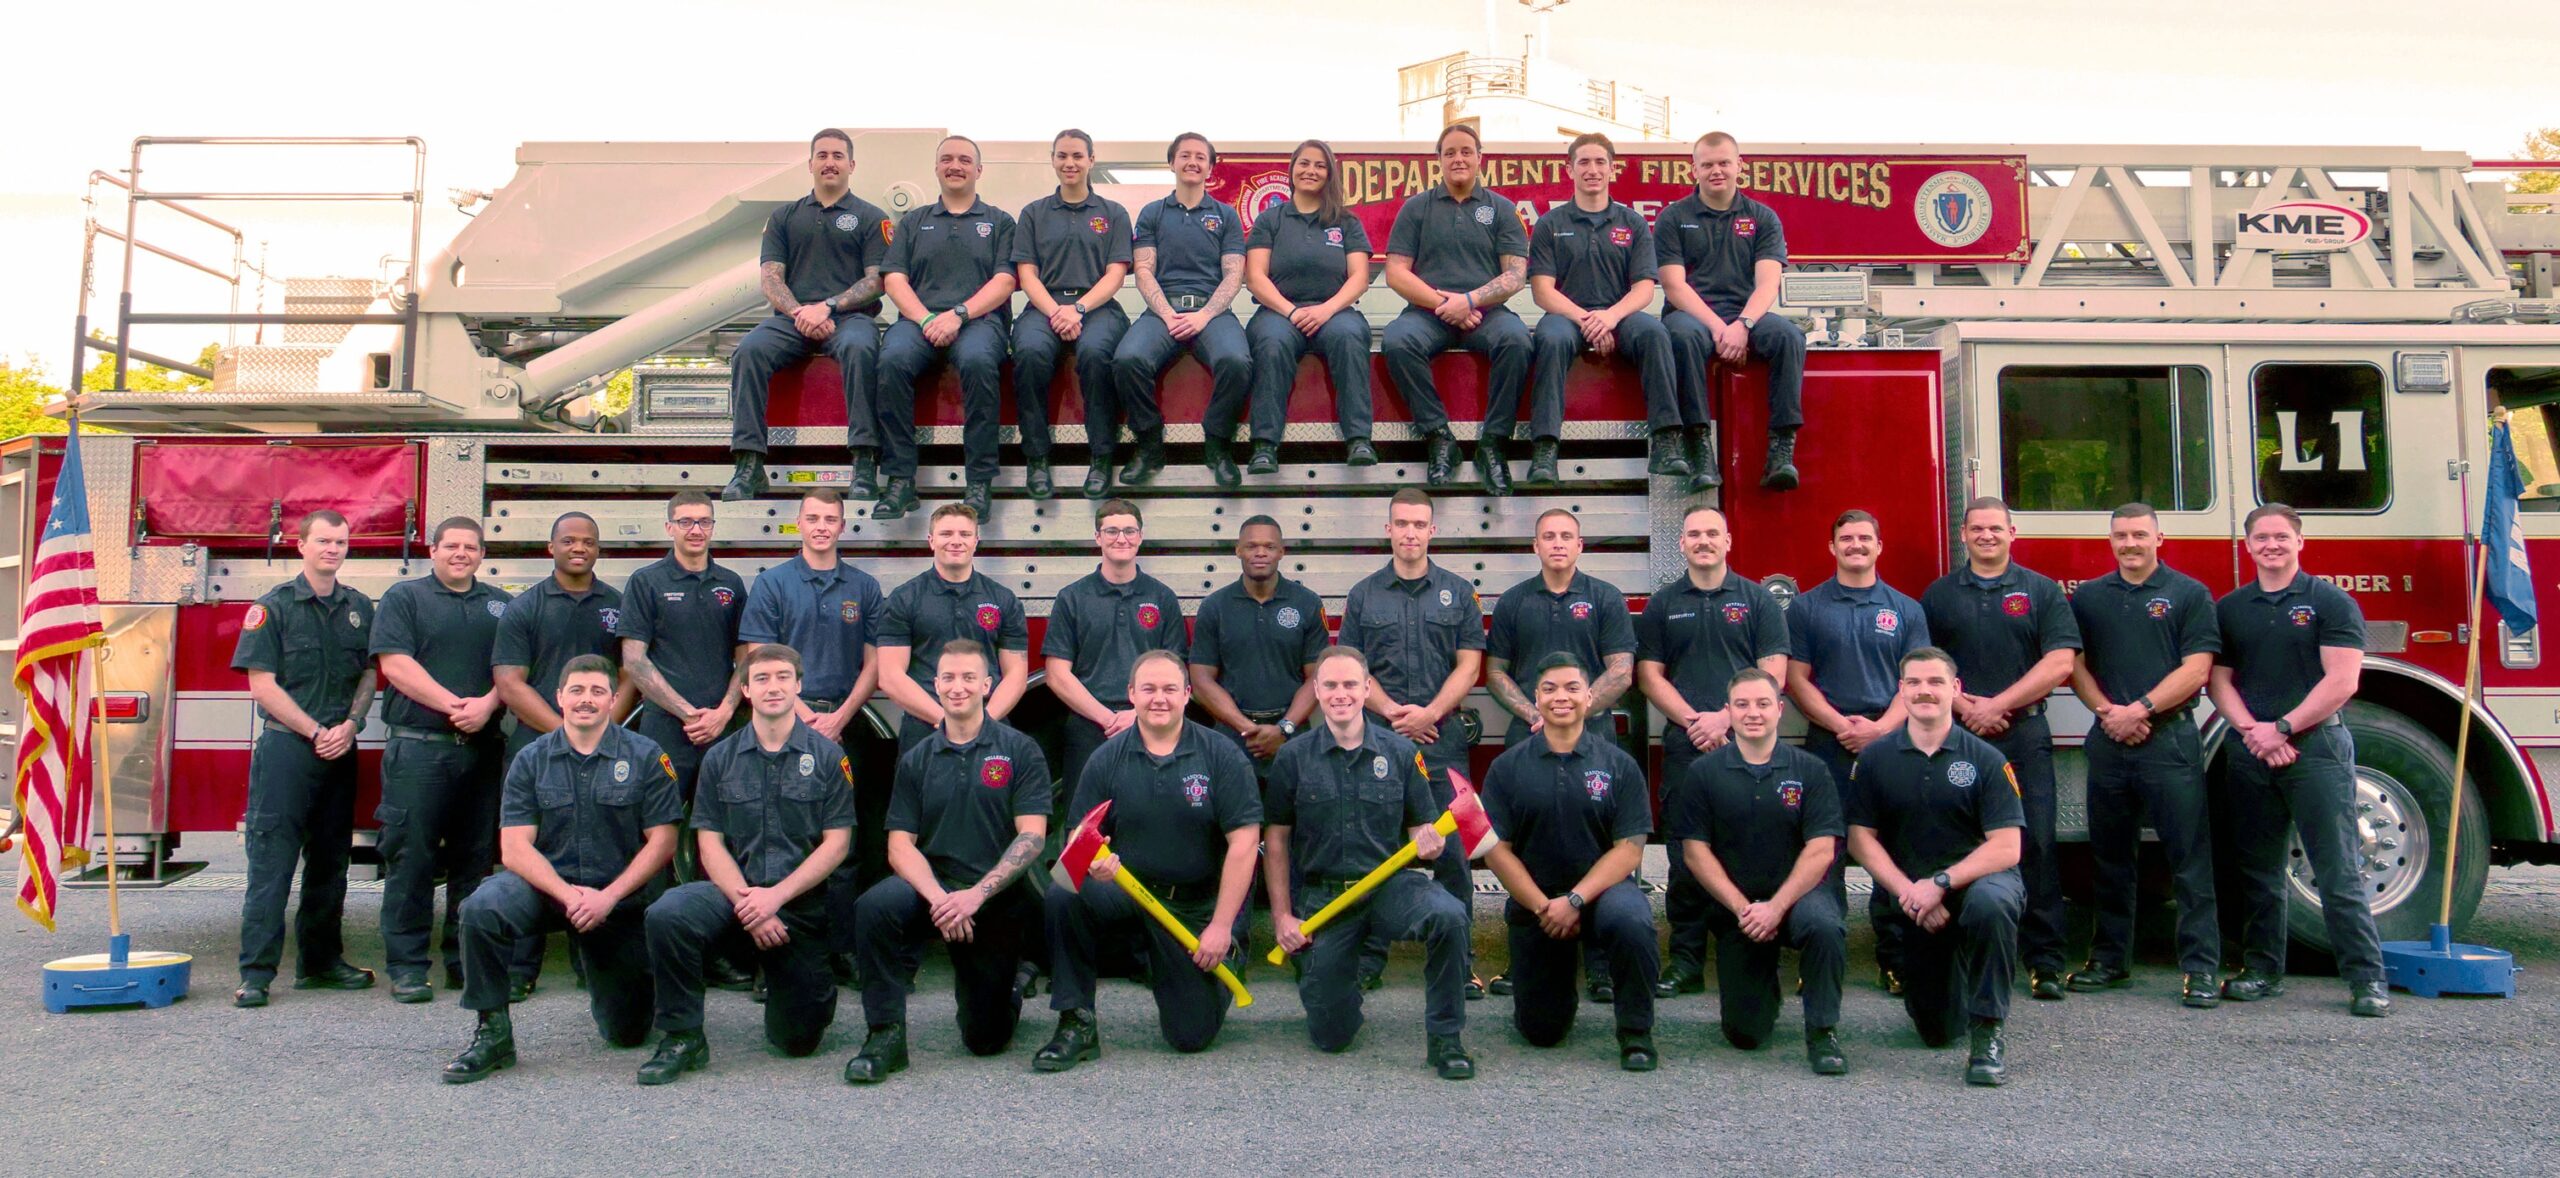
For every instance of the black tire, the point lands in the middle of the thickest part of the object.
(2391, 746)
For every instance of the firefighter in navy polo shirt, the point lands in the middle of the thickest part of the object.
(1422, 628)
(1190, 258)
(950, 600)
(2292, 653)
(967, 818)
(1186, 817)
(1846, 639)
(586, 829)
(303, 645)
(950, 272)
(1098, 626)
(1591, 269)
(1933, 815)
(2014, 637)
(1563, 609)
(2151, 637)
(568, 614)
(1758, 827)
(1254, 647)
(1458, 252)
(821, 275)
(1722, 256)
(1696, 633)
(774, 817)
(441, 767)
(1343, 799)
(1571, 810)
(680, 645)
(1306, 261)
(1070, 255)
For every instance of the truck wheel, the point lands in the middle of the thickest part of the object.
(2404, 805)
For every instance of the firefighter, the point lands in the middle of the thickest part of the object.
(774, 817)
(1695, 635)
(2014, 637)
(1757, 823)
(2151, 638)
(824, 608)
(440, 769)
(586, 828)
(821, 275)
(1070, 255)
(1722, 256)
(1343, 799)
(1571, 811)
(567, 614)
(1307, 263)
(967, 817)
(1254, 647)
(1185, 817)
(950, 600)
(1846, 639)
(2292, 652)
(1933, 815)
(1591, 269)
(1422, 629)
(1564, 609)
(1190, 263)
(949, 272)
(1457, 252)
(303, 645)
(1099, 625)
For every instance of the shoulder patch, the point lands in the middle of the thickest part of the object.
(845, 766)
(255, 619)
(667, 763)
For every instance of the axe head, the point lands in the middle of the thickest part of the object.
(1084, 845)
(1475, 829)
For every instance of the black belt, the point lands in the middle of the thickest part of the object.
(1264, 715)
(1185, 893)
(1186, 302)
(428, 734)
(1068, 294)
(2029, 711)
(821, 705)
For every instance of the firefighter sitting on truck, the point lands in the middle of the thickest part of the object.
(1721, 254)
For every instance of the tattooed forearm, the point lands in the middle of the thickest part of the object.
(1148, 288)
(1618, 675)
(1515, 271)
(859, 293)
(1230, 277)
(1018, 857)
(644, 675)
(1506, 691)
(775, 290)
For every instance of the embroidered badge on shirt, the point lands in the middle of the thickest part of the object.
(1745, 227)
(1446, 598)
(497, 608)
(256, 618)
(1621, 235)
(2015, 605)
(1961, 774)
(621, 771)
(1100, 224)
(1287, 617)
(847, 222)
(995, 771)
(2157, 607)
(1378, 767)
(1195, 786)
(1791, 794)
(1736, 612)
(1149, 616)
(723, 594)
(611, 617)
(808, 765)
(989, 616)
(667, 763)
(1888, 622)
(1333, 237)
(1484, 215)
(2302, 615)
(1211, 222)
(1581, 611)
(986, 229)
(852, 611)
(1596, 783)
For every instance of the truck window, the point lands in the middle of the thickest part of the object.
(2322, 444)
(2091, 437)
(2532, 396)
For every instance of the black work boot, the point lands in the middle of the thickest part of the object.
(678, 1052)
(1542, 465)
(1492, 469)
(520, 989)
(341, 976)
(1779, 473)
(746, 480)
(1077, 1040)
(2093, 976)
(896, 500)
(2200, 991)
(1822, 1050)
(866, 474)
(1670, 457)
(883, 1054)
(2045, 984)
(980, 498)
(2369, 999)
(1222, 465)
(1442, 465)
(1144, 464)
(493, 1048)
(1359, 452)
(1097, 477)
(1987, 1065)
(1266, 459)
(1703, 475)
(1635, 1051)
(1449, 1057)
(411, 988)
(1036, 478)
(2249, 985)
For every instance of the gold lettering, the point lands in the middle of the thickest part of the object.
(1835, 182)
(1858, 184)
(1880, 181)
(1783, 180)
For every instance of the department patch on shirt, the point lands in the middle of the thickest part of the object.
(847, 222)
(1211, 222)
(852, 611)
(995, 771)
(355, 619)
(1745, 227)
(1287, 617)
(1417, 764)
(611, 617)
(2157, 607)
(1581, 611)
(1378, 767)
(989, 616)
(844, 765)
(1621, 235)
(1447, 598)
(256, 618)
(986, 229)
(1737, 612)
(1791, 794)
(621, 772)
(1961, 774)
(723, 594)
(808, 765)
(1195, 786)
(1596, 783)
(497, 608)
(2015, 605)
(886, 233)
(2302, 615)
(1333, 237)
(1484, 215)
(1100, 224)
(1149, 616)
(667, 763)
(1888, 622)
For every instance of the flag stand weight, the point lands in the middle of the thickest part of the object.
(119, 976)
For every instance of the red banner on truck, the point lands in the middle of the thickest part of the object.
(1836, 208)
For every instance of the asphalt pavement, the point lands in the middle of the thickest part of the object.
(2122, 1083)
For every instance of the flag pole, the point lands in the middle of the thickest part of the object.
(2462, 736)
(101, 774)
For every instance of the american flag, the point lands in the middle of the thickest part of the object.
(57, 630)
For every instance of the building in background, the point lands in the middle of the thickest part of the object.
(1530, 96)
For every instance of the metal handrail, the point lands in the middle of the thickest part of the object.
(82, 343)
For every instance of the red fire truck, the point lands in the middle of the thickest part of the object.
(2069, 327)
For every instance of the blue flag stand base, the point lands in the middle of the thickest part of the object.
(2439, 966)
(117, 977)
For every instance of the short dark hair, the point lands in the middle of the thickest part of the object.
(975, 152)
(966, 646)
(1160, 655)
(1071, 133)
(1558, 660)
(1566, 512)
(588, 664)
(1988, 503)
(1111, 507)
(1411, 497)
(1853, 516)
(2284, 510)
(1588, 139)
(827, 495)
(1337, 651)
(566, 516)
(687, 499)
(1456, 129)
(768, 652)
(1171, 148)
(1258, 521)
(2136, 509)
(458, 523)
(1927, 654)
(948, 509)
(320, 515)
(1753, 675)
(1684, 516)
(831, 133)
(1712, 138)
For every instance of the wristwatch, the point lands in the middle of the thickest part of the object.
(1573, 900)
(1944, 884)
(1288, 727)
(1747, 322)
(2284, 727)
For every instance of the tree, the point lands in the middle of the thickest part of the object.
(2539, 145)
(23, 388)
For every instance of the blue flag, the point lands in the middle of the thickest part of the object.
(2502, 536)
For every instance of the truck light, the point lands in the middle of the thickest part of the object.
(126, 707)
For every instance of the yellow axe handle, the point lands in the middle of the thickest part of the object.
(1147, 900)
(1447, 826)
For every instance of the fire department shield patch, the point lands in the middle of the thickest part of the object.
(989, 616)
(1286, 617)
(2157, 607)
(1333, 237)
(355, 620)
(844, 765)
(1621, 235)
(995, 772)
(1736, 613)
(1962, 774)
(1446, 598)
(852, 611)
(724, 595)
(667, 763)
(1581, 611)
(1888, 622)
(808, 765)
(1791, 794)
(1596, 783)
(1745, 227)
(1484, 215)
(497, 608)
(1378, 767)
(2015, 605)
(621, 772)
(1195, 786)
(847, 222)
(1149, 617)
(1211, 222)
(2302, 615)
(256, 618)
(611, 619)
(1100, 224)
(986, 229)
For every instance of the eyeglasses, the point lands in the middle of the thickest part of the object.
(1117, 533)
(691, 524)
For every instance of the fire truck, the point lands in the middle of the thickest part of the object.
(2069, 327)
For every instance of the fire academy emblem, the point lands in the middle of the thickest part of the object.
(995, 771)
(1149, 616)
(989, 616)
(1791, 794)
(2302, 615)
(1195, 786)
(2157, 607)
(1621, 235)
(1736, 612)
(1581, 610)
(1596, 783)
(2015, 605)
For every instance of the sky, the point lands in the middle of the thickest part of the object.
(473, 81)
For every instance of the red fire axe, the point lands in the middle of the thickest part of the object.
(1086, 845)
(1463, 823)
